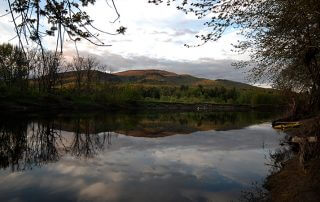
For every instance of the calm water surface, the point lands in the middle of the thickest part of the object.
(134, 157)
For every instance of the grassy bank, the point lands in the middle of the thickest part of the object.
(112, 98)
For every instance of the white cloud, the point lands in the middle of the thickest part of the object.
(156, 36)
(159, 32)
(204, 67)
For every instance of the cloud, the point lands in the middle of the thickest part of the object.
(204, 67)
(155, 39)
(176, 33)
(99, 191)
(6, 29)
(156, 32)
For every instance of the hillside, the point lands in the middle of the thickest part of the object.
(231, 84)
(152, 77)
(157, 77)
(146, 72)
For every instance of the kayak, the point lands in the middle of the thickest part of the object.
(286, 125)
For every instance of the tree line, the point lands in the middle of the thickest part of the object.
(121, 93)
(41, 71)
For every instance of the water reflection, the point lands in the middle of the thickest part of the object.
(87, 157)
(25, 145)
(160, 124)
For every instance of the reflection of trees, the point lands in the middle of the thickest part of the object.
(24, 145)
(13, 145)
(279, 158)
(42, 141)
(160, 124)
(87, 144)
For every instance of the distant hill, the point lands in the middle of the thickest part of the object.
(153, 77)
(157, 77)
(231, 84)
(146, 73)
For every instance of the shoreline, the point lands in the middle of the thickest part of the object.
(298, 177)
(52, 105)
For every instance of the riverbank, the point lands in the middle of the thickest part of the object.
(296, 175)
(58, 103)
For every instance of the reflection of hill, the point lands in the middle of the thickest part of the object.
(26, 142)
(160, 125)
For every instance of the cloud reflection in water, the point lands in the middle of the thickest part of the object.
(201, 166)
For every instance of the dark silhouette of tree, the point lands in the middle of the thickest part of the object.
(91, 64)
(84, 70)
(77, 66)
(14, 66)
(46, 67)
(65, 17)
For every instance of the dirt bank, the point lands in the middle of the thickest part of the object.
(296, 176)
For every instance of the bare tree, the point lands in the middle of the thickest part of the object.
(46, 67)
(83, 70)
(77, 66)
(91, 64)
(52, 68)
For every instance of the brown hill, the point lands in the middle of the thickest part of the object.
(152, 77)
(145, 72)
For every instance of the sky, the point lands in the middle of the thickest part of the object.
(155, 39)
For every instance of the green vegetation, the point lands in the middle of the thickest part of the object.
(27, 81)
(217, 95)
(122, 94)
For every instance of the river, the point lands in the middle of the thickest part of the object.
(168, 156)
